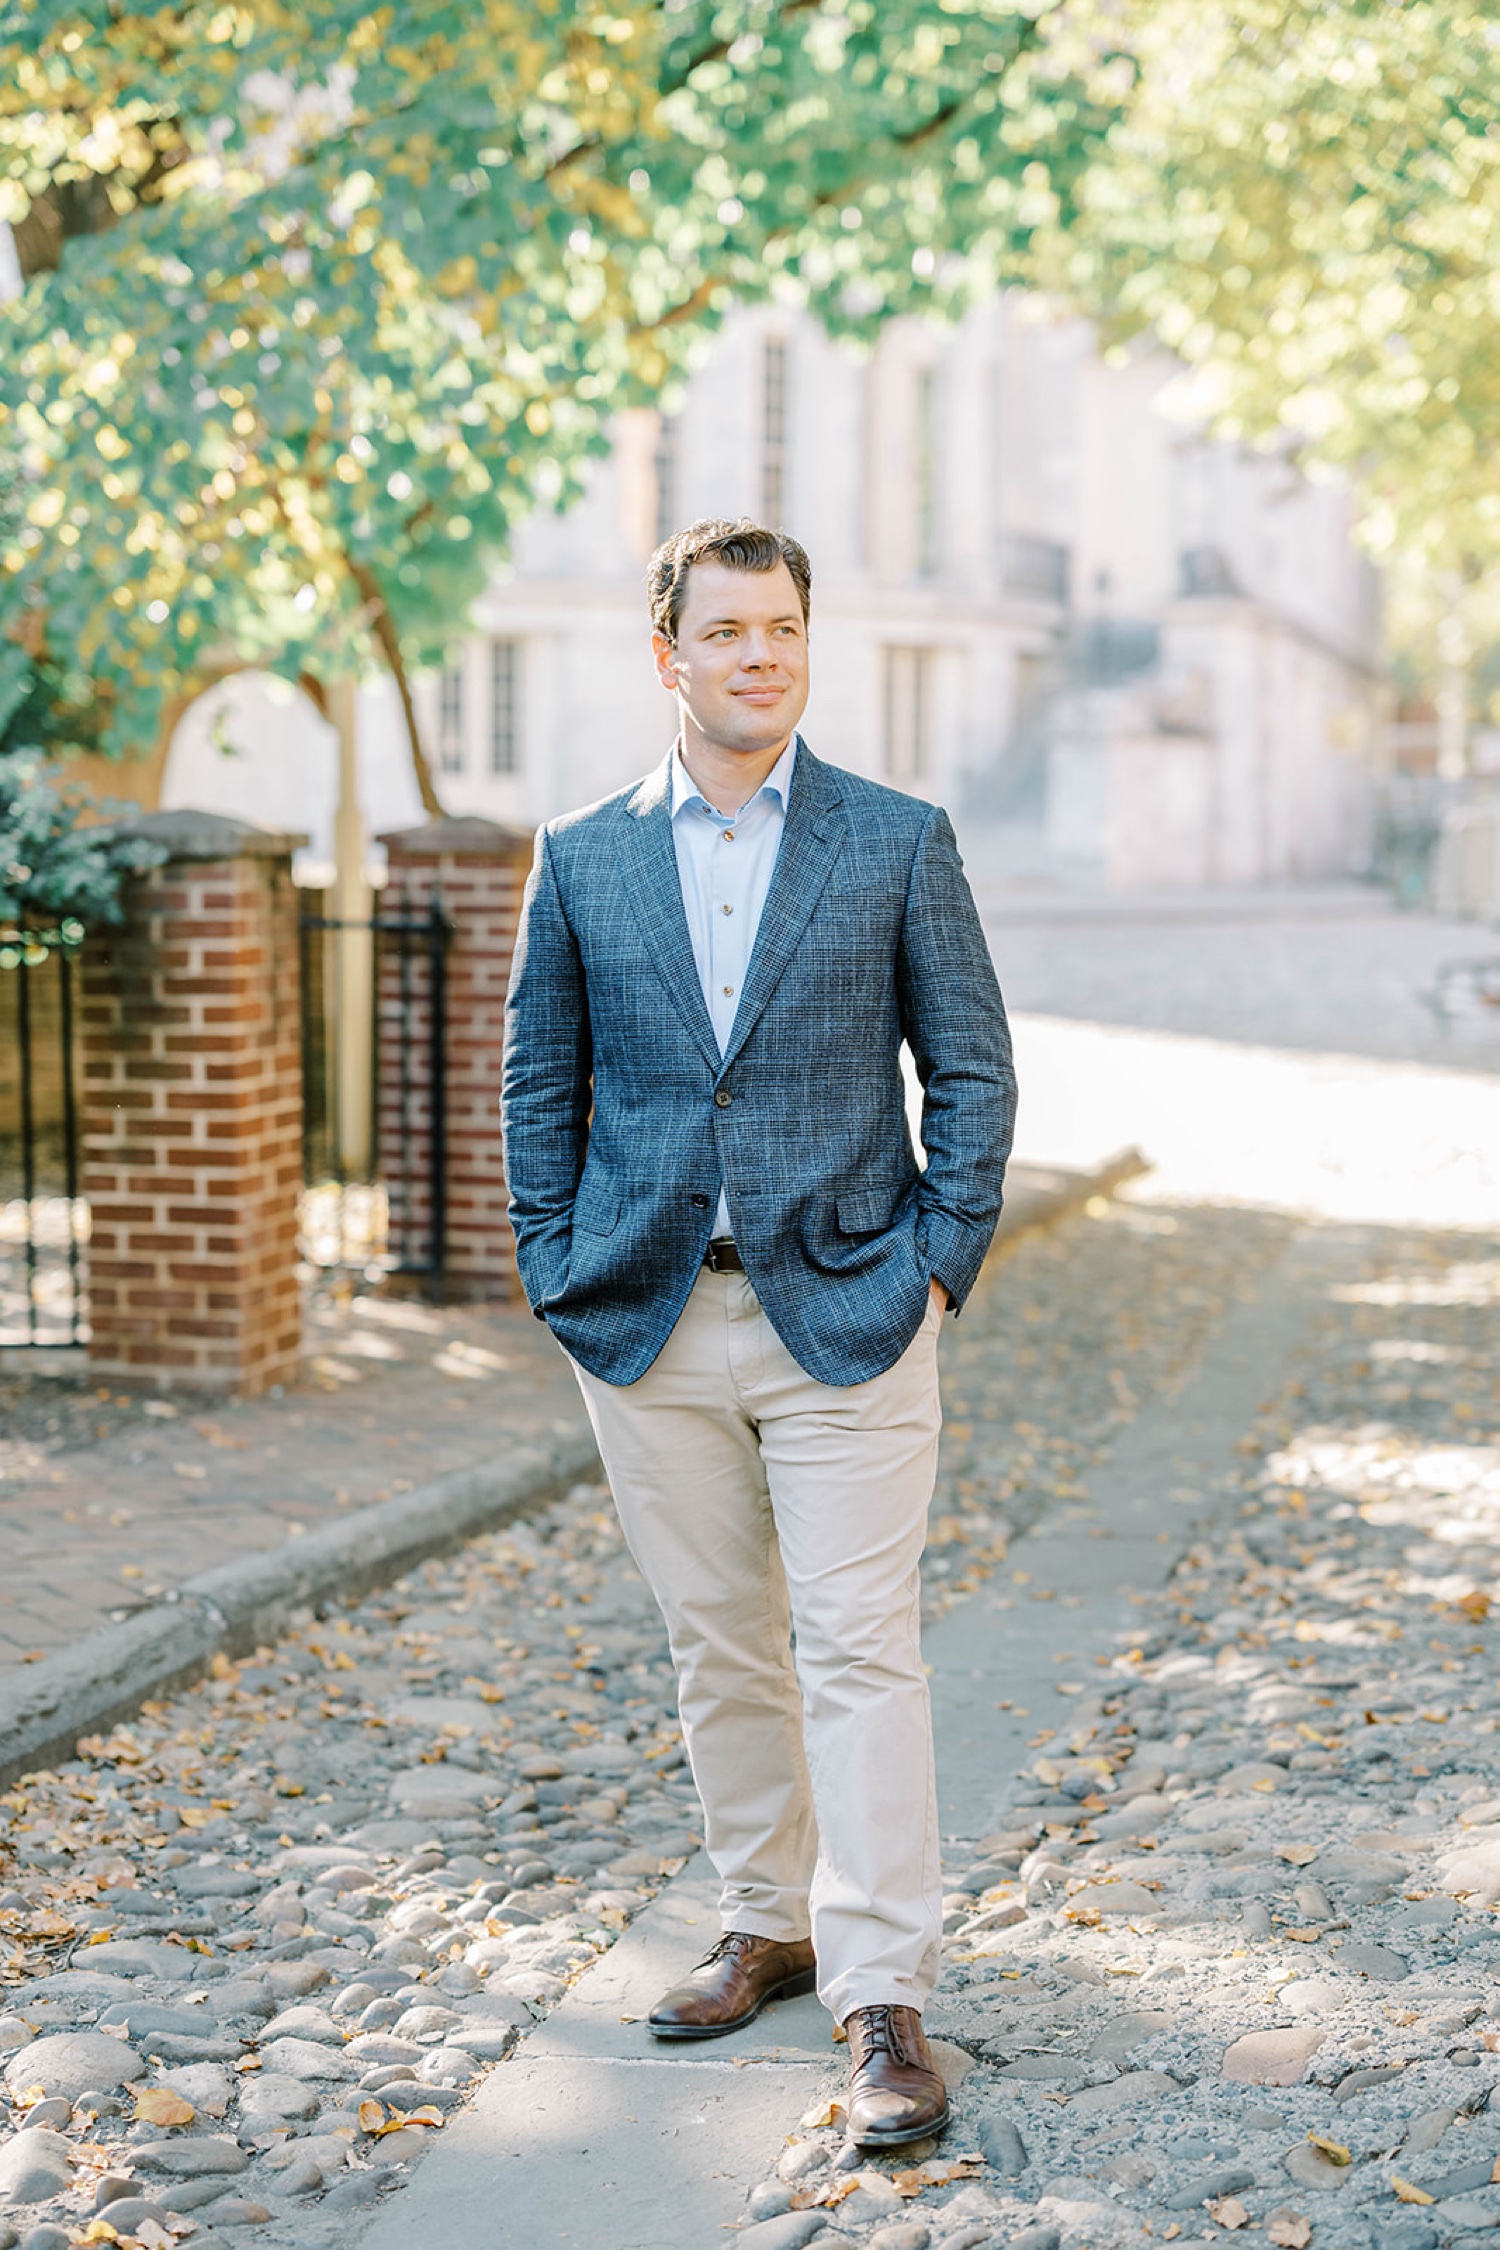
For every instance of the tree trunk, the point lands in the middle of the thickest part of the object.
(388, 642)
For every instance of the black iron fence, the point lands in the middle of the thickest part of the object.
(374, 1076)
(43, 1215)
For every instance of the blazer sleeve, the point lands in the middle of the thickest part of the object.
(954, 1021)
(546, 1080)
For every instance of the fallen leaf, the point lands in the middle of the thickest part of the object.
(46, 1924)
(830, 2197)
(827, 2113)
(1170, 2234)
(158, 2105)
(152, 2235)
(97, 2230)
(1306, 1936)
(938, 2172)
(1297, 1855)
(424, 2116)
(1228, 2211)
(195, 1816)
(1288, 2230)
(371, 2116)
(1408, 2191)
(1335, 2151)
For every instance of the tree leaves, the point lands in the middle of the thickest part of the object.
(55, 876)
(1301, 201)
(316, 314)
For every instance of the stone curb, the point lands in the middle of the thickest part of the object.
(237, 1606)
(1038, 1194)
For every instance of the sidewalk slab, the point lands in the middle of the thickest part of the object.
(598, 2134)
(1168, 1476)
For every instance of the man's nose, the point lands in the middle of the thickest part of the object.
(758, 654)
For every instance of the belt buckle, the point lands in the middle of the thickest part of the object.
(722, 1257)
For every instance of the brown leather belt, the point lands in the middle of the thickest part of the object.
(723, 1257)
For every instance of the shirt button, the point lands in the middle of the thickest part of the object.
(726, 909)
(729, 991)
(699, 1202)
(729, 835)
(722, 1099)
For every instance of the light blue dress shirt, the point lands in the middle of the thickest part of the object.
(725, 862)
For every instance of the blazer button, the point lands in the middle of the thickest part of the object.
(699, 1202)
(722, 1099)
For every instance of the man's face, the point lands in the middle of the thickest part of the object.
(739, 664)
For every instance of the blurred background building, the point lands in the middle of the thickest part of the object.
(1135, 658)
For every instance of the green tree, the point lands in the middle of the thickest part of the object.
(319, 302)
(1301, 199)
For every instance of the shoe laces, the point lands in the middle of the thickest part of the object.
(873, 2031)
(730, 1946)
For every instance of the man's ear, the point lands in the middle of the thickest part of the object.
(665, 653)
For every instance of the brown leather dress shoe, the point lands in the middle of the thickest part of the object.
(732, 1984)
(897, 2093)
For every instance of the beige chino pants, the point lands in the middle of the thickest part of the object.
(758, 1503)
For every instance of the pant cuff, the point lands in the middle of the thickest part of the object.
(781, 1929)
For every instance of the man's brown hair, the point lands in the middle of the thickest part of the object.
(741, 545)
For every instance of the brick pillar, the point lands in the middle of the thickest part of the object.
(192, 1112)
(478, 871)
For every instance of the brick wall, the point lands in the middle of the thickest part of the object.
(192, 1113)
(479, 871)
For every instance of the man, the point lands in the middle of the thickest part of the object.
(719, 1214)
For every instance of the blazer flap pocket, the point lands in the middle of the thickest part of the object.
(867, 1210)
(597, 1211)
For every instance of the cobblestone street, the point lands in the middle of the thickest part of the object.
(272, 1943)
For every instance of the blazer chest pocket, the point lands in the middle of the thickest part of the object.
(867, 1210)
(597, 1211)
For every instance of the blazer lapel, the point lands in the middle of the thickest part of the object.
(810, 844)
(655, 889)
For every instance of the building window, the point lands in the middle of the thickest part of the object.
(908, 713)
(451, 718)
(664, 463)
(774, 429)
(925, 463)
(505, 707)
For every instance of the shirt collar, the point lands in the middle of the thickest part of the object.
(778, 783)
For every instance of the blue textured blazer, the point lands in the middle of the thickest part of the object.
(621, 1117)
